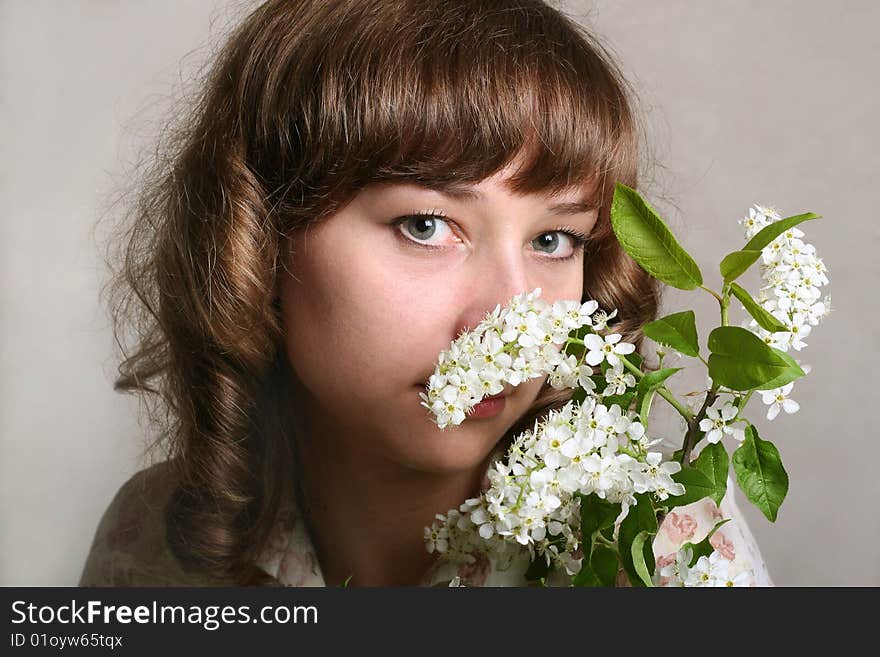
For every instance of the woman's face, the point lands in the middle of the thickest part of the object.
(373, 294)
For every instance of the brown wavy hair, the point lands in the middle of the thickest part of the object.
(304, 105)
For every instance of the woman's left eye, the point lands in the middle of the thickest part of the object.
(551, 241)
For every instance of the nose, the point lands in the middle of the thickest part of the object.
(495, 279)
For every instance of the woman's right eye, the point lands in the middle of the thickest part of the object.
(421, 227)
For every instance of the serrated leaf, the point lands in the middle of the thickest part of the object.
(770, 232)
(741, 360)
(767, 321)
(647, 238)
(678, 331)
(734, 264)
(760, 474)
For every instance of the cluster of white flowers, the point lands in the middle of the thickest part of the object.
(515, 344)
(718, 424)
(533, 501)
(792, 275)
(712, 570)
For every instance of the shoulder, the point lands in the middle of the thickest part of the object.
(130, 547)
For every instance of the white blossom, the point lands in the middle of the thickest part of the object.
(514, 344)
(792, 276)
(712, 570)
(532, 500)
(618, 380)
(778, 400)
(606, 349)
(717, 425)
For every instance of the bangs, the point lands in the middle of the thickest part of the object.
(440, 93)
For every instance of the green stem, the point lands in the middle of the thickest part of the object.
(632, 368)
(693, 431)
(725, 304)
(604, 541)
(743, 404)
(683, 410)
(663, 391)
(712, 292)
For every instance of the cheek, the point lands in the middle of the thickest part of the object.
(564, 287)
(355, 326)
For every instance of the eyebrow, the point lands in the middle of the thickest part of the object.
(461, 192)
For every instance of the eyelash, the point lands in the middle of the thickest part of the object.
(578, 238)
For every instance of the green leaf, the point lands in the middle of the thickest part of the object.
(587, 577)
(579, 395)
(760, 474)
(623, 400)
(538, 568)
(767, 321)
(638, 557)
(640, 518)
(734, 264)
(741, 360)
(770, 232)
(697, 485)
(574, 348)
(635, 359)
(647, 238)
(714, 463)
(678, 331)
(653, 380)
(604, 563)
(783, 378)
(646, 387)
(596, 513)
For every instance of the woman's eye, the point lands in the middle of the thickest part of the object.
(421, 228)
(550, 243)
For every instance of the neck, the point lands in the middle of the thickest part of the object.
(366, 514)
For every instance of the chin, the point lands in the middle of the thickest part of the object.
(450, 451)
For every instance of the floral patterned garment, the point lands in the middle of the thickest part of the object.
(130, 549)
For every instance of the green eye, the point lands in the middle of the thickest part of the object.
(548, 241)
(421, 228)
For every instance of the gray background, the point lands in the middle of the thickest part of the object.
(773, 102)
